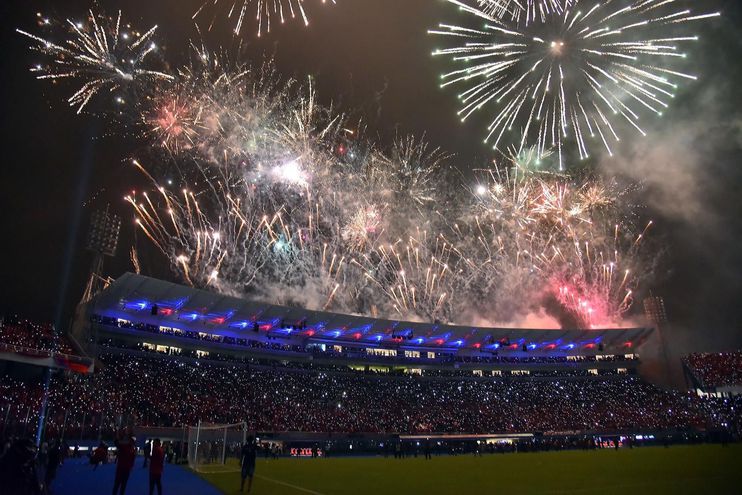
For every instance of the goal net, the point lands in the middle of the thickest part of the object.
(210, 446)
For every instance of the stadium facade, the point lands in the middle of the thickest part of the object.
(161, 316)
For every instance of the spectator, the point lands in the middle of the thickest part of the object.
(147, 453)
(54, 459)
(125, 455)
(247, 462)
(18, 469)
(99, 455)
(156, 466)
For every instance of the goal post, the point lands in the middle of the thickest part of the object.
(211, 445)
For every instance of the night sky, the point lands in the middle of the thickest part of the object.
(370, 58)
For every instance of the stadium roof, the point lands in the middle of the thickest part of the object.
(158, 302)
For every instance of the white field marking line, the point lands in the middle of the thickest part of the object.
(295, 487)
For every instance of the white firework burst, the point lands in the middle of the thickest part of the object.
(570, 73)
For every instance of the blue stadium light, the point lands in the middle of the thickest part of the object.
(136, 305)
(178, 303)
(531, 346)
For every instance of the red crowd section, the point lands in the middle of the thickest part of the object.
(166, 391)
(31, 335)
(716, 369)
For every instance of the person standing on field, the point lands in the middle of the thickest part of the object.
(126, 453)
(156, 466)
(247, 461)
(147, 453)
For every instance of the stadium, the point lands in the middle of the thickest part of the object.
(371, 246)
(202, 371)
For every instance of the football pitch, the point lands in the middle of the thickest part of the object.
(703, 469)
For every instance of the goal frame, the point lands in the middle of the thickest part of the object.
(216, 433)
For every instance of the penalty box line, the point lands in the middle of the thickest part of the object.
(295, 487)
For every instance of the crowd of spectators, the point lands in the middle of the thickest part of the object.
(23, 333)
(716, 369)
(258, 362)
(149, 390)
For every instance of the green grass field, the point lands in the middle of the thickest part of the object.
(705, 469)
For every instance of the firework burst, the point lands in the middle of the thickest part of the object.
(567, 71)
(265, 13)
(101, 54)
(260, 200)
(523, 10)
(570, 240)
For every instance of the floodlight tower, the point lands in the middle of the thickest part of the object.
(655, 313)
(654, 310)
(103, 238)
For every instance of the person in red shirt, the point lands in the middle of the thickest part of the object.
(100, 455)
(126, 454)
(156, 465)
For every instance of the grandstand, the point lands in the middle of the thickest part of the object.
(169, 357)
(157, 315)
(26, 342)
(718, 373)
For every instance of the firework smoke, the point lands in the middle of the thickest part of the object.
(280, 198)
